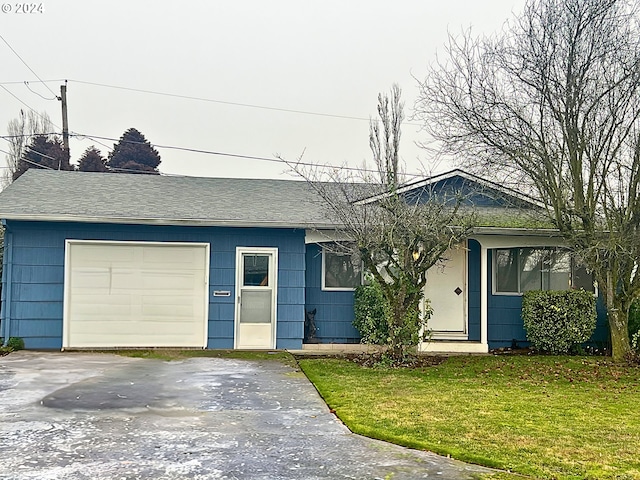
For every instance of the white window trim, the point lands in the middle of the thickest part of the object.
(494, 272)
(336, 289)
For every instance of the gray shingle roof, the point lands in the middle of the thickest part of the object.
(107, 197)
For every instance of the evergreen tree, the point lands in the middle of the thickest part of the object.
(92, 161)
(43, 152)
(133, 154)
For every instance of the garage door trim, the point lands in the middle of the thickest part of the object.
(67, 278)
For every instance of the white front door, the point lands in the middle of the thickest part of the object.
(256, 288)
(446, 289)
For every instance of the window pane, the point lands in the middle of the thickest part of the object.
(256, 306)
(255, 270)
(580, 277)
(506, 270)
(340, 271)
(531, 268)
(559, 275)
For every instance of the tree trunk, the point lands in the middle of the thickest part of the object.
(618, 318)
(618, 326)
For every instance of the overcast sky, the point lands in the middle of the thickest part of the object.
(328, 58)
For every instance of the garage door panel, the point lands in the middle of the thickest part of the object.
(179, 255)
(101, 311)
(94, 278)
(160, 311)
(122, 295)
(85, 254)
(166, 279)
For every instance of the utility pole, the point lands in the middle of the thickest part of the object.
(65, 122)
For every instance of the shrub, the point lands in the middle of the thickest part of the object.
(635, 342)
(558, 321)
(634, 318)
(371, 310)
(372, 316)
(15, 343)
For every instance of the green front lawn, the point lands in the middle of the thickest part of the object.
(547, 417)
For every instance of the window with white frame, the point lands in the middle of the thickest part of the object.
(517, 270)
(340, 271)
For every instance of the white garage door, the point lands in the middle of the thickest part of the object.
(135, 295)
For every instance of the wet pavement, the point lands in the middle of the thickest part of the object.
(102, 416)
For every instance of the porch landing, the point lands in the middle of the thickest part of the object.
(435, 346)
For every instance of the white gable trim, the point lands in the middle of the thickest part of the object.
(457, 173)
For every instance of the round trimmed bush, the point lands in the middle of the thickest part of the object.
(558, 321)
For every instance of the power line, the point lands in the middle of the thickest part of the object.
(28, 148)
(226, 154)
(225, 102)
(30, 161)
(27, 135)
(29, 107)
(2, 85)
(16, 82)
(22, 102)
(237, 155)
(78, 135)
(26, 65)
(96, 139)
(26, 84)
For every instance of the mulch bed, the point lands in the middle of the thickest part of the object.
(378, 359)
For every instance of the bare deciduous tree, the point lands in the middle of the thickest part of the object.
(554, 102)
(20, 133)
(398, 239)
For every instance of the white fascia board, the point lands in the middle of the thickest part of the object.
(538, 232)
(323, 236)
(513, 240)
(161, 221)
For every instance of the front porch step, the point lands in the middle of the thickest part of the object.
(434, 346)
(453, 346)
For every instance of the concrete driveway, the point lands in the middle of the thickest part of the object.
(101, 416)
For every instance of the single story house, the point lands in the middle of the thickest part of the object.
(97, 260)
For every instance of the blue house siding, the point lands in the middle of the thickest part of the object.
(505, 321)
(472, 194)
(473, 290)
(334, 310)
(34, 266)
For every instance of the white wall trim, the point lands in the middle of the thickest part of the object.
(484, 300)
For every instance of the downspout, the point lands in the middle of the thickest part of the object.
(7, 264)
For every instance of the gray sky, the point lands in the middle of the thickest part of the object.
(330, 57)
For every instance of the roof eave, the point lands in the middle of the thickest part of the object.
(519, 231)
(191, 222)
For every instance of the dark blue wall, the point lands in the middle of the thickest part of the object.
(473, 286)
(334, 310)
(505, 320)
(467, 191)
(34, 260)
